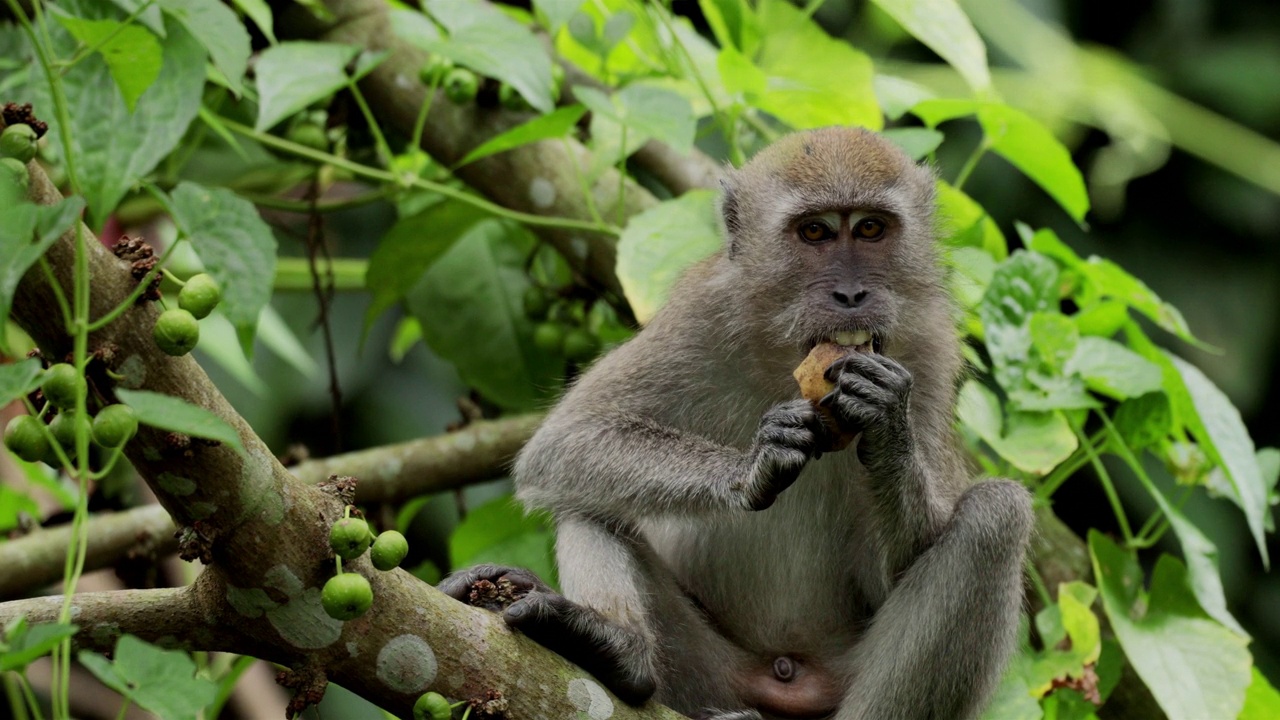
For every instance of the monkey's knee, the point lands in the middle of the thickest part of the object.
(995, 518)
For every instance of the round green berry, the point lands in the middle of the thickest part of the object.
(199, 296)
(176, 332)
(581, 345)
(432, 706)
(62, 384)
(461, 86)
(549, 337)
(349, 538)
(114, 425)
(537, 303)
(309, 134)
(434, 69)
(24, 437)
(64, 426)
(346, 596)
(18, 142)
(15, 173)
(389, 550)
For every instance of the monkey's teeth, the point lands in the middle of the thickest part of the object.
(852, 338)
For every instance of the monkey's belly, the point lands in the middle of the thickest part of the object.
(800, 689)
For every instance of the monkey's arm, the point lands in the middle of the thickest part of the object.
(907, 469)
(626, 466)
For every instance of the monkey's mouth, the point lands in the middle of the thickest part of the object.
(863, 341)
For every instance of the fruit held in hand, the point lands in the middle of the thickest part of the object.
(62, 384)
(25, 439)
(18, 142)
(349, 538)
(176, 332)
(199, 296)
(346, 596)
(811, 376)
(389, 550)
(432, 706)
(114, 425)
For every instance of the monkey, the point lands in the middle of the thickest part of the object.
(715, 552)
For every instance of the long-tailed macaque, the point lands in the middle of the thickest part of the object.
(715, 551)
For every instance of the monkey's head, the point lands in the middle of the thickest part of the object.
(831, 232)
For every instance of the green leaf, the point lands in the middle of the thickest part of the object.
(18, 379)
(1217, 425)
(1012, 701)
(740, 76)
(1195, 667)
(26, 233)
(897, 95)
(1261, 701)
(804, 91)
(1144, 420)
(557, 124)
(1022, 285)
(945, 29)
(1113, 369)
(916, 142)
(177, 415)
(217, 28)
(1034, 442)
(556, 12)
(292, 75)
(132, 53)
(13, 505)
(1034, 150)
(150, 15)
(23, 644)
(470, 304)
(964, 223)
(162, 681)
(734, 24)
(973, 270)
(114, 147)
(659, 244)
(409, 249)
(501, 532)
(490, 42)
(935, 111)
(1109, 279)
(236, 247)
(647, 111)
(260, 13)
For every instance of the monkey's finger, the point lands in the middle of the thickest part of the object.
(879, 369)
(851, 413)
(458, 585)
(866, 390)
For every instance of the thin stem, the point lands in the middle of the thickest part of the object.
(379, 140)
(14, 694)
(1068, 467)
(1107, 486)
(450, 192)
(972, 162)
(1038, 582)
(324, 206)
(420, 123)
(721, 118)
(60, 297)
(622, 180)
(1158, 523)
(32, 702)
(294, 274)
(587, 196)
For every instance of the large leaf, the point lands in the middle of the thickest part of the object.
(293, 75)
(490, 42)
(502, 533)
(132, 53)
(470, 304)
(177, 415)
(814, 79)
(236, 247)
(1217, 425)
(24, 643)
(1032, 442)
(26, 233)
(162, 681)
(661, 243)
(1113, 369)
(1034, 150)
(217, 28)
(1195, 667)
(557, 124)
(112, 146)
(1261, 701)
(944, 27)
(18, 379)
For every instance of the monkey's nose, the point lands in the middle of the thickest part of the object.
(848, 297)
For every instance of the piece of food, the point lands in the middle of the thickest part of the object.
(432, 706)
(389, 550)
(24, 437)
(18, 142)
(176, 332)
(811, 375)
(199, 296)
(349, 538)
(346, 596)
(62, 384)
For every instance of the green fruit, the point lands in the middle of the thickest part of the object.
(25, 439)
(549, 337)
(349, 538)
(62, 385)
(18, 142)
(15, 172)
(511, 98)
(346, 596)
(199, 296)
(537, 303)
(310, 135)
(581, 345)
(389, 550)
(176, 332)
(434, 69)
(432, 706)
(64, 425)
(461, 86)
(114, 425)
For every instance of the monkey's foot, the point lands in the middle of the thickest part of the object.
(615, 655)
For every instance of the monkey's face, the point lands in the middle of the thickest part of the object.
(832, 232)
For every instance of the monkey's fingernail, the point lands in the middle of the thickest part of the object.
(517, 612)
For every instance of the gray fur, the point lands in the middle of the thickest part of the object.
(883, 564)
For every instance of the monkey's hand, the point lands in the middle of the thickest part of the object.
(790, 434)
(871, 396)
(575, 632)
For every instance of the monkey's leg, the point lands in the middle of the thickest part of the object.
(938, 645)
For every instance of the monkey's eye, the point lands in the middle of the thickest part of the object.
(814, 231)
(869, 229)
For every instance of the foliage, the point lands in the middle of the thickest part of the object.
(1066, 374)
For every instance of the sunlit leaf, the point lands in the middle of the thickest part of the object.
(1261, 700)
(1034, 150)
(29, 642)
(162, 681)
(217, 28)
(1113, 369)
(917, 143)
(260, 13)
(17, 379)
(945, 29)
(177, 415)
(27, 231)
(131, 52)
(734, 24)
(1033, 442)
(661, 243)
(292, 75)
(502, 533)
(556, 124)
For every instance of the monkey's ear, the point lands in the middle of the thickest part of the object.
(729, 209)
